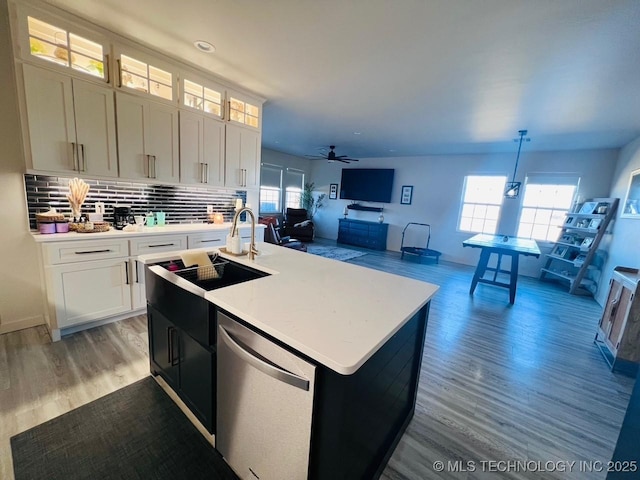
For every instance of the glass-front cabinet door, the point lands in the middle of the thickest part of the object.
(203, 96)
(244, 110)
(144, 74)
(54, 42)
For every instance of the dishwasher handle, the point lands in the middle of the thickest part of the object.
(264, 367)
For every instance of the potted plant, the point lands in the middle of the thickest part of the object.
(310, 203)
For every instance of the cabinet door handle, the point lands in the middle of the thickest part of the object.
(119, 64)
(126, 271)
(162, 245)
(137, 275)
(244, 177)
(173, 360)
(84, 159)
(74, 154)
(212, 240)
(107, 67)
(170, 344)
(93, 251)
(206, 176)
(155, 172)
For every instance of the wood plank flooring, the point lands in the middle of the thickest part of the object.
(498, 382)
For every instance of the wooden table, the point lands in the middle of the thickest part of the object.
(500, 245)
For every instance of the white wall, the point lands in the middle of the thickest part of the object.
(623, 245)
(438, 182)
(21, 298)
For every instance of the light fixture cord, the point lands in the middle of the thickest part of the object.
(522, 134)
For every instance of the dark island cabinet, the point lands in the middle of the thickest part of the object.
(185, 364)
(363, 234)
(359, 419)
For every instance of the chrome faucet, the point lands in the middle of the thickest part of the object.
(253, 251)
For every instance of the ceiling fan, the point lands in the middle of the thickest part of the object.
(332, 157)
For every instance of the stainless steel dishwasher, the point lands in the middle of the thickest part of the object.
(264, 405)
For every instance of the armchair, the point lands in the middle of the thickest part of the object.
(272, 235)
(297, 225)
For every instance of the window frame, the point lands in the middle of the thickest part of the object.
(459, 228)
(552, 179)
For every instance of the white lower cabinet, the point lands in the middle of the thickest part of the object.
(87, 291)
(209, 239)
(145, 246)
(101, 280)
(138, 292)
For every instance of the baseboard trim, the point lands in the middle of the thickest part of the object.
(182, 406)
(56, 334)
(21, 324)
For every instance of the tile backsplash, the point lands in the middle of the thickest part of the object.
(182, 204)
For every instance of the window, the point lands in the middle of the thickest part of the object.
(146, 78)
(280, 188)
(481, 203)
(544, 204)
(202, 98)
(270, 188)
(269, 200)
(57, 45)
(293, 196)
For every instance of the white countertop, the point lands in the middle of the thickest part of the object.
(336, 313)
(178, 228)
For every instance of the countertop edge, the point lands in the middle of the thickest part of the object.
(174, 229)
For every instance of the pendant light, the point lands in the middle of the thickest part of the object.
(513, 187)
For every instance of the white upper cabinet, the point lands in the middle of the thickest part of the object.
(96, 103)
(242, 167)
(201, 149)
(147, 139)
(219, 135)
(71, 124)
(50, 40)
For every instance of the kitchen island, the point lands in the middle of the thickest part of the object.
(361, 331)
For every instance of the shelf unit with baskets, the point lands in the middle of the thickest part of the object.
(572, 256)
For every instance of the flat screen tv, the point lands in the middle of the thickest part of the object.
(367, 184)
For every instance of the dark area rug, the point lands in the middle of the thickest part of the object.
(136, 432)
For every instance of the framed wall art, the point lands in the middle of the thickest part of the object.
(631, 207)
(407, 194)
(333, 191)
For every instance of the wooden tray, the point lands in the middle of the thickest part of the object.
(224, 250)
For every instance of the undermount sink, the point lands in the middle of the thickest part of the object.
(222, 273)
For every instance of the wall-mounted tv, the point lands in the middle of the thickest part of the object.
(367, 184)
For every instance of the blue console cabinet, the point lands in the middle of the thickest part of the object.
(363, 234)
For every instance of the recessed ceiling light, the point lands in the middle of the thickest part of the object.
(204, 46)
(357, 133)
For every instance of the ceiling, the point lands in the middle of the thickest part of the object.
(383, 78)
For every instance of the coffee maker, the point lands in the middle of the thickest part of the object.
(122, 217)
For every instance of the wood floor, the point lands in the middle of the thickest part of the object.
(498, 382)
